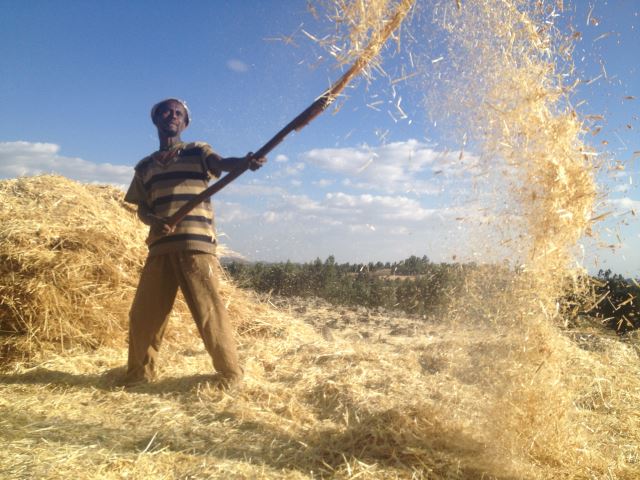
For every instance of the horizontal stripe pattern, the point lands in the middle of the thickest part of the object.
(184, 236)
(175, 177)
(197, 218)
(180, 197)
(193, 151)
(168, 186)
(185, 187)
(198, 229)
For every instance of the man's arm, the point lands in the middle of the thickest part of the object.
(158, 224)
(137, 194)
(145, 214)
(228, 164)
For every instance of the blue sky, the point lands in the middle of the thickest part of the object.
(77, 80)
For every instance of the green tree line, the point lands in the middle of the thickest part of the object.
(418, 286)
(414, 285)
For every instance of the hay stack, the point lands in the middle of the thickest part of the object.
(70, 257)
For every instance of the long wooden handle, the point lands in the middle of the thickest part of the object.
(303, 119)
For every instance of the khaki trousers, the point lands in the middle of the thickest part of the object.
(195, 274)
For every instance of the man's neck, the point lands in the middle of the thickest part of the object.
(167, 143)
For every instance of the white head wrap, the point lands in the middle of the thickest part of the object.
(181, 102)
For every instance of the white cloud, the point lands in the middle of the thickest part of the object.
(302, 203)
(353, 227)
(270, 216)
(255, 189)
(232, 212)
(323, 183)
(399, 230)
(280, 158)
(35, 158)
(362, 229)
(237, 66)
(384, 208)
(621, 188)
(295, 169)
(624, 204)
(259, 216)
(392, 168)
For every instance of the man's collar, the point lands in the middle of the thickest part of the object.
(171, 147)
(164, 157)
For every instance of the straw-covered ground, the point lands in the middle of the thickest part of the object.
(373, 396)
(329, 393)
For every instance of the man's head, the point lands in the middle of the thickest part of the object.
(170, 116)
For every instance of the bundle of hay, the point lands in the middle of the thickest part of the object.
(70, 259)
(70, 256)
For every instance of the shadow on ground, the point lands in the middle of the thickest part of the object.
(401, 439)
(108, 380)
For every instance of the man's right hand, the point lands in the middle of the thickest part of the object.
(159, 225)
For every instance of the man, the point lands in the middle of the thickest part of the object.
(181, 257)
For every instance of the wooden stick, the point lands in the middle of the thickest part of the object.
(303, 119)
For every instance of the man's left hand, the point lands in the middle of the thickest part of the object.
(254, 162)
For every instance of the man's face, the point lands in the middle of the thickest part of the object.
(170, 118)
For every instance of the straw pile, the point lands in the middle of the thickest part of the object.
(71, 255)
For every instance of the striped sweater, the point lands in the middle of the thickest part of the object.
(166, 180)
